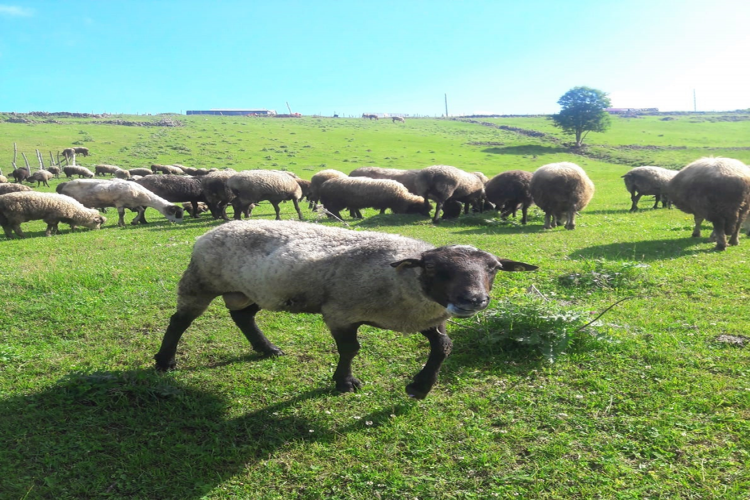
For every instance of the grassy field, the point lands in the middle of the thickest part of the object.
(645, 403)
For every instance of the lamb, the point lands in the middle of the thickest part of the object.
(40, 177)
(510, 190)
(106, 169)
(121, 195)
(54, 170)
(13, 188)
(20, 174)
(717, 189)
(175, 189)
(561, 190)
(140, 171)
(52, 208)
(443, 182)
(648, 181)
(356, 193)
(253, 186)
(167, 169)
(122, 174)
(406, 177)
(317, 180)
(72, 170)
(349, 277)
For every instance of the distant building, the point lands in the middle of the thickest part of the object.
(234, 112)
(630, 111)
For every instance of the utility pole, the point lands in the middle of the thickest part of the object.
(446, 105)
(287, 107)
(695, 106)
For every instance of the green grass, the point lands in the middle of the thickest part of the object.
(645, 403)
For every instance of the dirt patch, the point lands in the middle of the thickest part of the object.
(735, 340)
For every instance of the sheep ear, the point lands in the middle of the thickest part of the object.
(512, 265)
(407, 264)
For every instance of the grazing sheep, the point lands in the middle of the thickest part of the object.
(20, 174)
(349, 277)
(561, 190)
(54, 170)
(72, 170)
(81, 151)
(648, 181)
(40, 177)
(123, 174)
(175, 189)
(510, 190)
(143, 172)
(305, 187)
(13, 188)
(716, 189)
(52, 208)
(121, 195)
(399, 119)
(355, 193)
(253, 186)
(443, 182)
(217, 193)
(106, 169)
(406, 177)
(68, 153)
(317, 180)
(370, 117)
(167, 169)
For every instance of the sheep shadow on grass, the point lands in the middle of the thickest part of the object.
(138, 434)
(648, 250)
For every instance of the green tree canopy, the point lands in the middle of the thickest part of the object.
(583, 112)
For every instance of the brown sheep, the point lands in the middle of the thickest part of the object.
(561, 190)
(443, 182)
(510, 190)
(355, 193)
(648, 181)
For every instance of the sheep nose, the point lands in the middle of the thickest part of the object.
(477, 301)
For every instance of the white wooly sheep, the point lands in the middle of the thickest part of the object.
(40, 177)
(121, 195)
(443, 182)
(349, 277)
(13, 188)
(317, 180)
(406, 177)
(3, 179)
(143, 172)
(23, 206)
(561, 190)
(77, 170)
(717, 190)
(254, 186)
(650, 181)
(55, 170)
(356, 193)
(106, 169)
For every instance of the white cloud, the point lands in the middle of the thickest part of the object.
(15, 11)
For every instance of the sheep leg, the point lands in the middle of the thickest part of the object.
(121, 213)
(734, 230)
(237, 206)
(141, 217)
(296, 207)
(635, 198)
(245, 321)
(570, 220)
(720, 235)
(17, 229)
(347, 346)
(278, 209)
(8, 231)
(697, 229)
(440, 347)
(657, 197)
(438, 208)
(524, 212)
(547, 221)
(191, 308)
(195, 209)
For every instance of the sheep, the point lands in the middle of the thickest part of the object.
(510, 190)
(167, 169)
(349, 277)
(143, 172)
(13, 188)
(317, 180)
(188, 207)
(52, 208)
(406, 177)
(81, 151)
(217, 193)
(717, 189)
(175, 189)
(648, 181)
(123, 174)
(305, 187)
(561, 190)
(3, 179)
(54, 170)
(68, 153)
(399, 119)
(121, 195)
(20, 174)
(443, 182)
(253, 186)
(72, 170)
(106, 169)
(40, 177)
(355, 193)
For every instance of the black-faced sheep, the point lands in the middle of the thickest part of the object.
(349, 277)
(143, 172)
(717, 190)
(561, 190)
(356, 193)
(40, 177)
(13, 188)
(72, 170)
(648, 181)
(317, 180)
(175, 189)
(121, 195)
(16, 208)
(510, 190)
(406, 177)
(443, 182)
(253, 186)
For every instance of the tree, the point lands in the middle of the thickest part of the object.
(583, 112)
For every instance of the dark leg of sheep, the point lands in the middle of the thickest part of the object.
(440, 347)
(121, 213)
(195, 209)
(141, 217)
(296, 207)
(524, 212)
(634, 198)
(657, 197)
(348, 346)
(178, 323)
(245, 321)
(438, 208)
(719, 234)
(570, 222)
(237, 206)
(278, 210)
(733, 230)
(697, 229)
(8, 231)
(548, 221)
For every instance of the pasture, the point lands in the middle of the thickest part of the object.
(648, 402)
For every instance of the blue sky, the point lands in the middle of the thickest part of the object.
(350, 57)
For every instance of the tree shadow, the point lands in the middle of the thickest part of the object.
(647, 250)
(530, 149)
(90, 433)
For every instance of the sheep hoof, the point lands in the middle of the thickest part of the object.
(161, 366)
(272, 352)
(416, 392)
(349, 384)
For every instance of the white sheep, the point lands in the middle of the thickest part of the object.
(561, 190)
(648, 181)
(13, 188)
(143, 172)
(79, 171)
(406, 177)
(167, 169)
(356, 193)
(40, 177)
(23, 206)
(106, 169)
(443, 182)
(253, 186)
(349, 277)
(121, 195)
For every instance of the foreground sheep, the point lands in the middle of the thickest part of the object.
(356, 193)
(16, 208)
(443, 182)
(79, 171)
(717, 190)
(349, 277)
(121, 195)
(253, 186)
(510, 190)
(561, 190)
(648, 181)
